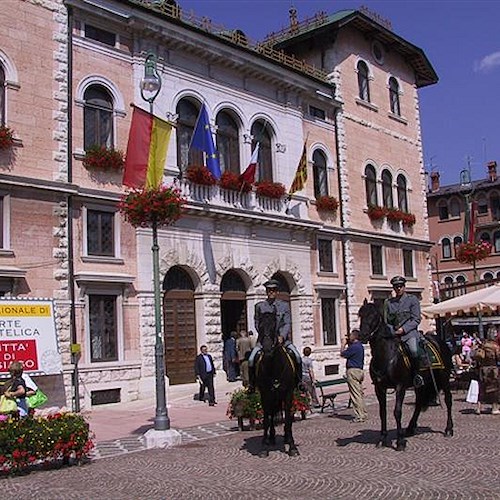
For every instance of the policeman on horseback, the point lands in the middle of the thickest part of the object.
(402, 314)
(281, 309)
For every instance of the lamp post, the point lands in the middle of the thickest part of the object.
(150, 88)
(467, 189)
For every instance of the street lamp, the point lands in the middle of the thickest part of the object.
(467, 189)
(150, 88)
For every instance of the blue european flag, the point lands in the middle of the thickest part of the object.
(204, 141)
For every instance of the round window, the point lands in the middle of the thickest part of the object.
(378, 52)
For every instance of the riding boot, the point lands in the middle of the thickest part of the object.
(418, 380)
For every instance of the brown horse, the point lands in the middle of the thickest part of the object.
(389, 370)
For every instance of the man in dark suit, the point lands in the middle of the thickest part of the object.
(204, 369)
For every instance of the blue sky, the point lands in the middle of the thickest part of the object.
(461, 113)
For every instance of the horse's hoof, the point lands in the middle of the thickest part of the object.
(401, 446)
(263, 454)
(382, 444)
(448, 433)
(293, 452)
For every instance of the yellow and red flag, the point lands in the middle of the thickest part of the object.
(146, 150)
(300, 179)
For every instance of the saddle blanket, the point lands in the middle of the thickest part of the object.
(429, 351)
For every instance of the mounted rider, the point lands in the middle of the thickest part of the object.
(402, 314)
(283, 323)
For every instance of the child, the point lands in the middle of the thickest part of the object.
(17, 387)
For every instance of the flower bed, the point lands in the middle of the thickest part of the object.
(233, 182)
(375, 212)
(327, 203)
(6, 137)
(103, 158)
(200, 175)
(34, 440)
(469, 253)
(270, 189)
(142, 207)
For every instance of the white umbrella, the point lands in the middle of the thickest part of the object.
(485, 299)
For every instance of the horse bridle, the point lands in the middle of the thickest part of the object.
(372, 333)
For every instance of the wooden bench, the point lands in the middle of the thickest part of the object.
(328, 396)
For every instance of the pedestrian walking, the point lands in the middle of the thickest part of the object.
(204, 369)
(308, 377)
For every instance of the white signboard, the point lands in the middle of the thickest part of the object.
(28, 334)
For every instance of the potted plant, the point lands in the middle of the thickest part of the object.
(301, 403)
(233, 182)
(376, 212)
(270, 189)
(142, 207)
(245, 404)
(200, 175)
(470, 253)
(327, 203)
(6, 137)
(394, 215)
(103, 158)
(408, 219)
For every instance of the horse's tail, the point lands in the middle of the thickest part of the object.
(427, 394)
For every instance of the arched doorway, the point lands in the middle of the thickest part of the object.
(233, 304)
(179, 320)
(283, 293)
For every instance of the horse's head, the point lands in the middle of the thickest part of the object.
(370, 320)
(268, 332)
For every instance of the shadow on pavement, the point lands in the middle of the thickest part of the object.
(253, 445)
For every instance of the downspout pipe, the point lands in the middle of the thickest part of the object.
(75, 352)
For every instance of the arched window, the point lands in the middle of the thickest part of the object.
(448, 283)
(446, 248)
(188, 112)
(454, 208)
(177, 279)
(457, 240)
(394, 96)
(371, 185)
(488, 276)
(261, 132)
(97, 117)
(232, 281)
(402, 193)
(387, 189)
(496, 241)
(443, 210)
(363, 83)
(2, 96)
(228, 143)
(485, 236)
(482, 204)
(495, 206)
(461, 283)
(319, 172)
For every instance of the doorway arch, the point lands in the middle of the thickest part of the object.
(233, 303)
(179, 320)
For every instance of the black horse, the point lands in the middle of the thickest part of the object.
(390, 370)
(275, 379)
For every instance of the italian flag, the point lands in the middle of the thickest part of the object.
(146, 150)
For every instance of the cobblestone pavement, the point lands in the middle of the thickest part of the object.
(338, 460)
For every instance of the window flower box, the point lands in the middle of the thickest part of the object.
(103, 158)
(142, 207)
(470, 253)
(232, 181)
(375, 212)
(200, 175)
(270, 189)
(394, 215)
(6, 138)
(408, 219)
(327, 203)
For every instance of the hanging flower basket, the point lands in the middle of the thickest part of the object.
(103, 158)
(375, 212)
(270, 189)
(232, 181)
(394, 215)
(6, 138)
(408, 219)
(142, 207)
(327, 203)
(200, 175)
(470, 253)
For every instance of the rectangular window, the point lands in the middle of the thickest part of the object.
(100, 233)
(325, 256)
(377, 260)
(443, 212)
(408, 263)
(329, 320)
(103, 328)
(100, 35)
(317, 112)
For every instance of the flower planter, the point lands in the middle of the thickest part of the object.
(6, 138)
(470, 253)
(375, 212)
(103, 158)
(394, 215)
(144, 207)
(269, 189)
(327, 203)
(232, 182)
(200, 175)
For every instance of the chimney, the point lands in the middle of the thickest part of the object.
(434, 182)
(492, 171)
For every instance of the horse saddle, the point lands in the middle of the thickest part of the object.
(429, 356)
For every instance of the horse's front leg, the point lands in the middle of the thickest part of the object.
(272, 428)
(264, 452)
(382, 408)
(448, 432)
(398, 413)
(292, 448)
(412, 425)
